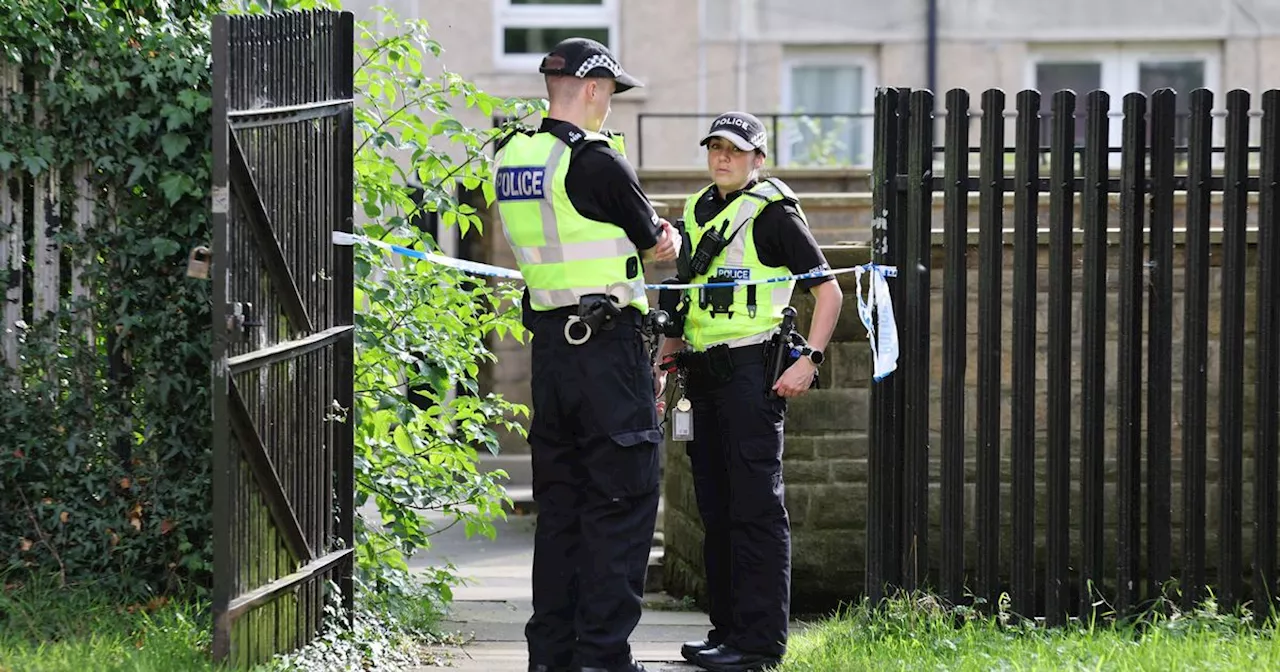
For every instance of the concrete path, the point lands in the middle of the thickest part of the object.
(489, 614)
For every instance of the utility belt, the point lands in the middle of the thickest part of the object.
(717, 364)
(597, 313)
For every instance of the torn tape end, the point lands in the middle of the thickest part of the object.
(344, 238)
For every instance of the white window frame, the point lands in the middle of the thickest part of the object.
(508, 15)
(1120, 68)
(859, 59)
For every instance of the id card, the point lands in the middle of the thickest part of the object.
(682, 421)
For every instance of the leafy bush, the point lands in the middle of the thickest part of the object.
(104, 427)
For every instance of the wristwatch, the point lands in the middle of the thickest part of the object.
(814, 356)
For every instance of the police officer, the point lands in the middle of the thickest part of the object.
(743, 228)
(581, 227)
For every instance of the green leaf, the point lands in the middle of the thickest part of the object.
(174, 144)
(34, 164)
(174, 186)
(164, 247)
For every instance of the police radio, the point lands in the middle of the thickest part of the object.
(710, 246)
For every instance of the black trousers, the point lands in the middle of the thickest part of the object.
(594, 439)
(736, 456)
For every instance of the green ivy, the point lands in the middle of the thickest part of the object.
(106, 477)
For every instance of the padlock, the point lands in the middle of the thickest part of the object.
(198, 262)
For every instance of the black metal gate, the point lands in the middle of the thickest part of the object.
(282, 324)
(1129, 447)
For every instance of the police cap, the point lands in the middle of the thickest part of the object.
(744, 130)
(583, 57)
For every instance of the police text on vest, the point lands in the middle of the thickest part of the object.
(521, 183)
(732, 273)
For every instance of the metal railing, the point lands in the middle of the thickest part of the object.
(1072, 550)
(786, 130)
(283, 330)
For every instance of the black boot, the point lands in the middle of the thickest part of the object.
(725, 658)
(690, 650)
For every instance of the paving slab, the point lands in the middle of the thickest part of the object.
(489, 612)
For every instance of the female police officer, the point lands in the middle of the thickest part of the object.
(743, 228)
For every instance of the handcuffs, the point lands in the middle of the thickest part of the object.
(598, 312)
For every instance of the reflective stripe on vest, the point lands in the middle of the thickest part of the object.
(737, 260)
(571, 255)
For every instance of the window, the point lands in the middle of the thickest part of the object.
(1053, 76)
(828, 100)
(525, 30)
(1121, 70)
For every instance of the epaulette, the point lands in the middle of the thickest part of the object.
(576, 138)
(772, 188)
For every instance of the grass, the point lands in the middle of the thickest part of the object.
(921, 635)
(44, 629)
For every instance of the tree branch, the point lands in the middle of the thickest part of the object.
(435, 507)
(434, 90)
(44, 539)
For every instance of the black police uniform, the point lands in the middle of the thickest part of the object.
(594, 440)
(736, 458)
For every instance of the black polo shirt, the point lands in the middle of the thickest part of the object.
(781, 237)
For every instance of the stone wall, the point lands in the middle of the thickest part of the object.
(826, 439)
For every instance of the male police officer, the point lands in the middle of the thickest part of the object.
(579, 224)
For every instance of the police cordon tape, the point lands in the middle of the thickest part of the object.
(478, 268)
(877, 301)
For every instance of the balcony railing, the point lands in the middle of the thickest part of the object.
(670, 139)
(795, 138)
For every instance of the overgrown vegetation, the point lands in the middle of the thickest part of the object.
(105, 449)
(918, 633)
(124, 88)
(104, 429)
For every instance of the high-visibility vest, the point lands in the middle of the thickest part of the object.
(617, 140)
(756, 310)
(562, 254)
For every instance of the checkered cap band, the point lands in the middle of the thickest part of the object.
(599, 61)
